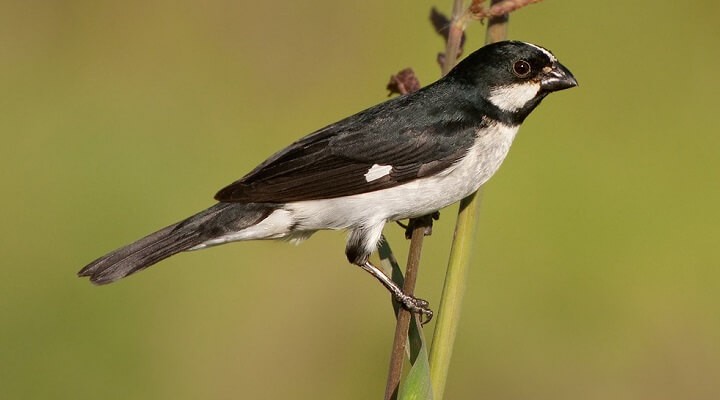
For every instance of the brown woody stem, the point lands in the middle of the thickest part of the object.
(403, 317)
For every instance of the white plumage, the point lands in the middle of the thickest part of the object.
(513, 97)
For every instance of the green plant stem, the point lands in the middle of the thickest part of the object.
(453, 293)
(454, 288)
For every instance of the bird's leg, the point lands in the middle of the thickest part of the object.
(363, 240)
(410, 303)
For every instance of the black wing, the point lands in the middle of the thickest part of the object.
(413, 136)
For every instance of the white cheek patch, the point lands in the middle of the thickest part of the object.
(377, 171)
(513, 97)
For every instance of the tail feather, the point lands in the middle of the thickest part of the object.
(208, 224)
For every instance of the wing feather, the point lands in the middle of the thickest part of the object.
(416, 140)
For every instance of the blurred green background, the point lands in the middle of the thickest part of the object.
(596, 270)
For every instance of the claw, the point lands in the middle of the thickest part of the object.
(417, 306)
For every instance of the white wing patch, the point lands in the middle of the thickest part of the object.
(513, 97)
(545, 51)
(377, 171)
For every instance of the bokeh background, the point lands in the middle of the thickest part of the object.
(596, 268)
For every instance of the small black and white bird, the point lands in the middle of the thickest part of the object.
(407, 157)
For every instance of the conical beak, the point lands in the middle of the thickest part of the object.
(557, 77)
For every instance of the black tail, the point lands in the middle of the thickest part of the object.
(214, 222)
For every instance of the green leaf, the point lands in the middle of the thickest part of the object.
(417, 384)
(448, 318)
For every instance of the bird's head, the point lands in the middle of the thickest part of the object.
(512, 76)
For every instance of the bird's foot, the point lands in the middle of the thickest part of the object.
(425, 222)
(416, 306)
(408, 302)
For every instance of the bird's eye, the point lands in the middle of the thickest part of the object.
(521, 68)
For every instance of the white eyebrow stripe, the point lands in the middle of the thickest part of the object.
(377, 171)
(545, 51)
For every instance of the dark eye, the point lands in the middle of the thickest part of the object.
(521, 68)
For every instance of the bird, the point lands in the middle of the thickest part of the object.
(407, 157)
